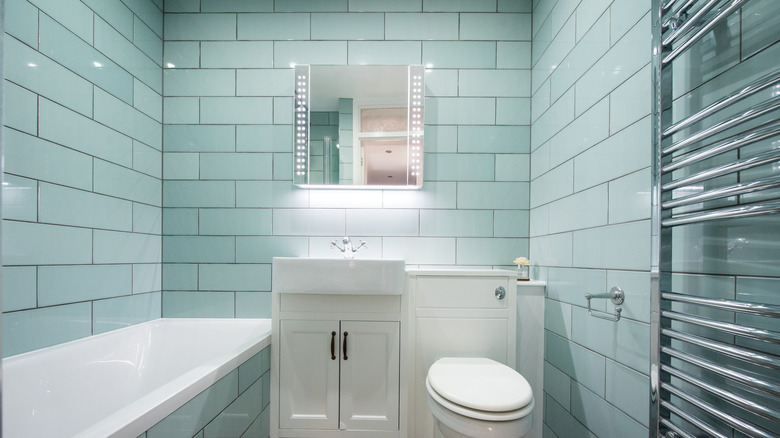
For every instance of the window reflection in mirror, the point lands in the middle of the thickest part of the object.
(359, 126)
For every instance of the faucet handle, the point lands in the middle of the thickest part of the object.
(348, 250)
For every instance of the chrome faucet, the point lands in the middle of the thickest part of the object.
(348, 250)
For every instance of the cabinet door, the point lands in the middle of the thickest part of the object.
(370, 367)
(308, 375)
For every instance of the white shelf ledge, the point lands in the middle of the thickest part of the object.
(531, 283)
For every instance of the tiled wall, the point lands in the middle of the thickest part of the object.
(2, 105)
(237, 405)
(590, 209)
(229, 202)
(82, 184)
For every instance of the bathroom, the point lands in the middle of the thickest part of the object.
(148, 167)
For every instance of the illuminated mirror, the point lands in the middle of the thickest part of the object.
(358, 126)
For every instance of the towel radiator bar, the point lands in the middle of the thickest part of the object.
(715, 360)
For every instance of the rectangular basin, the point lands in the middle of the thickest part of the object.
(296, 275)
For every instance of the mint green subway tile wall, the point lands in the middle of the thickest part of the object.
(82, 189)
(590, 208)
(229, 203)
(590, 197)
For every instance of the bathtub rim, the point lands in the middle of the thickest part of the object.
(144, 412)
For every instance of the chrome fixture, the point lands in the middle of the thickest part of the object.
(348, 250)
(617, 297)
(713, 364)
(500, 293)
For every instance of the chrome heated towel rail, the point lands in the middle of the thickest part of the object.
(715, 368)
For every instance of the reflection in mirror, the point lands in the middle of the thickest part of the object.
(359, 126)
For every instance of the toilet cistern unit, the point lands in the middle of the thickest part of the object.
(466, 383)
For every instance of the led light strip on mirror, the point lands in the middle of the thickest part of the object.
(301, 123)
(416, 123)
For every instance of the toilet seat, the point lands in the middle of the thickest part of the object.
(477, 414)
(479, 388)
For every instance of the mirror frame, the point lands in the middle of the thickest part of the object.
(415, 134)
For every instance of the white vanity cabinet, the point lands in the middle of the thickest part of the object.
(337, 368)
(339, 375)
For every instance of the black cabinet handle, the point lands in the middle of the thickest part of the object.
(345, 345)
(333, 346)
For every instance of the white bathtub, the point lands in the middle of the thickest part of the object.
(120, 383)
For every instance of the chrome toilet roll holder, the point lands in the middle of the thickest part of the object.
(616, 295)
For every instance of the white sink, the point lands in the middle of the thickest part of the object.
(293, 275)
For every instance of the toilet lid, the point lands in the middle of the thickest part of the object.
(480, 383)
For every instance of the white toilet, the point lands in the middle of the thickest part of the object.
(479, 398)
